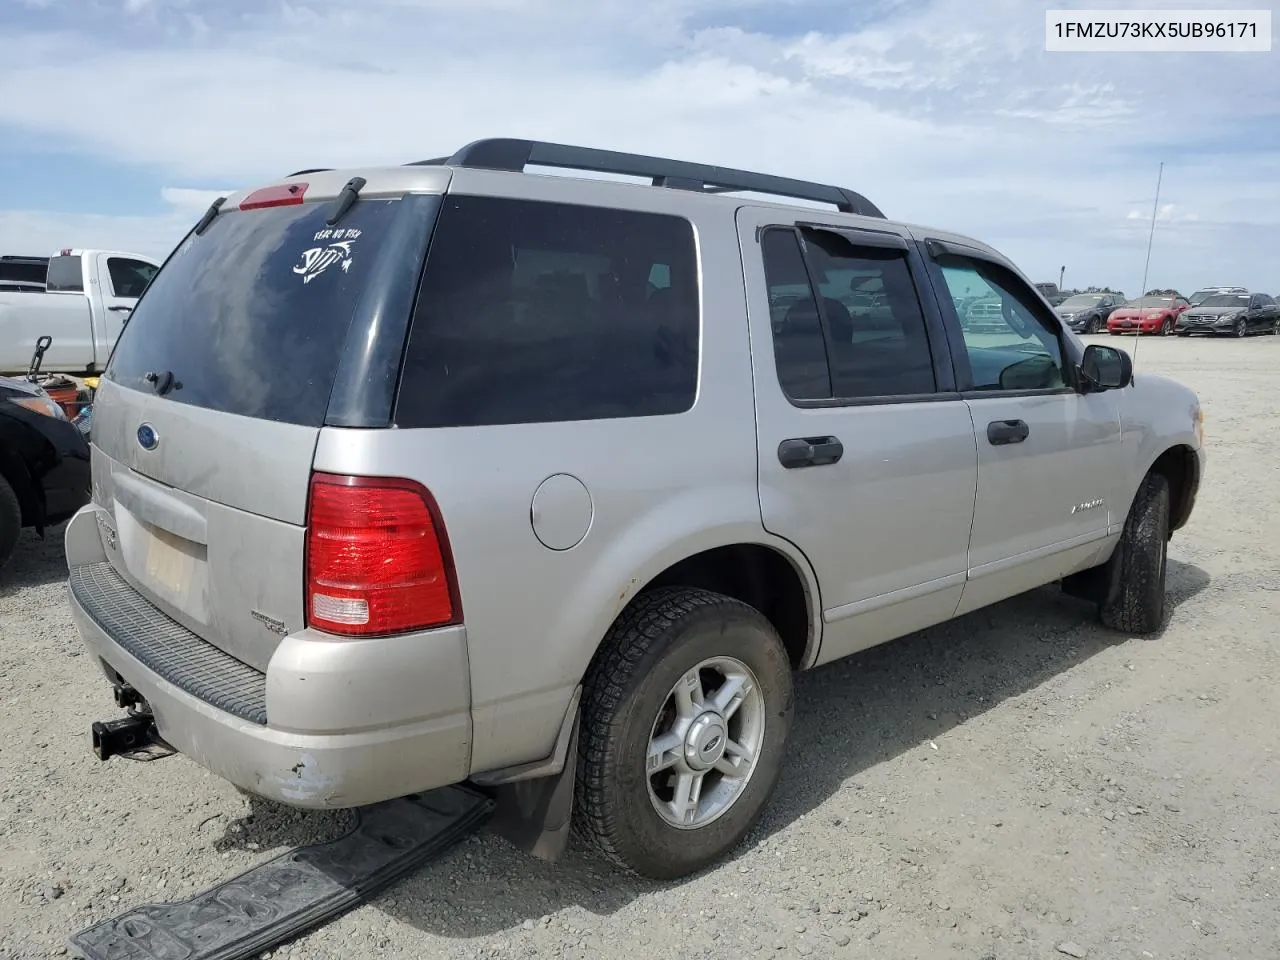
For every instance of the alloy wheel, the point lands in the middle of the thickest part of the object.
(705, 743)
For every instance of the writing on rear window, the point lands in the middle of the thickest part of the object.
(317, 260)
(534, 312)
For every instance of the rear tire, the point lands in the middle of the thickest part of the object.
(10, 521)
(1135, 574)
(669, 642)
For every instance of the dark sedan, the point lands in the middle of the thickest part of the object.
(44, 463)
(1232, 315)
(1087, 312)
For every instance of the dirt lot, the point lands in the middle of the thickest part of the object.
(1017, 784)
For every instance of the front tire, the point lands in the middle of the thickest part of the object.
(686, 712)
(1135, 574)
(10, 521)
(1241, 328)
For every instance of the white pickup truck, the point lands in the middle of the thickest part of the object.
(86, 298)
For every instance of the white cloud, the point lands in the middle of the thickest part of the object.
(187, 199)
(42, 233)
(948, 112)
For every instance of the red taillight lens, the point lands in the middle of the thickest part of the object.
(281, 195)
(378, 559)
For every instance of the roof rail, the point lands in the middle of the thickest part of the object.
(298, 173)
(515, 155)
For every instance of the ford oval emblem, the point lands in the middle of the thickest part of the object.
(148, 439)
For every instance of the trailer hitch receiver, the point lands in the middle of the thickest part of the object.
(133, 737)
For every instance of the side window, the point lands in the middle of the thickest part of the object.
(875, 343)
(129, 277)
(536, 312)
(799, 348)
(1010, 346)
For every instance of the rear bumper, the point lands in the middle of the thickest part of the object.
(346, 723)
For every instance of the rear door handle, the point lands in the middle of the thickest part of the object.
(1001, 432)
(809, 452)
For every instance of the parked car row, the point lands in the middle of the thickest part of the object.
(1233, 311)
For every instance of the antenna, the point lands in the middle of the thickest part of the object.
(1142, 290)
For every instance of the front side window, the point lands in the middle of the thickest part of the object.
(129, 277)
(1008, 344)
(874, 343)
(537, 312)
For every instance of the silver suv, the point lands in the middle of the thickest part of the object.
(454, 472)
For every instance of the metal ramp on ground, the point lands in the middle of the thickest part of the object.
(297, 891)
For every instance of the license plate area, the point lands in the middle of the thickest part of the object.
(171, 568)
(171, 561)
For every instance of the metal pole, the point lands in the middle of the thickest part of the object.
(1142, 290)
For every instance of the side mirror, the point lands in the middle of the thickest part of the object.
(1105, 368)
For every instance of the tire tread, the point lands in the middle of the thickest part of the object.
(1136, 602)
(10, 521)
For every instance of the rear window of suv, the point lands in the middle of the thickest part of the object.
(534, 312)
(252, 316)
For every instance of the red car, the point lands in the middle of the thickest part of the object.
(1155, 314)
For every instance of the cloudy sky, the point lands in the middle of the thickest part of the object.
(118, 117)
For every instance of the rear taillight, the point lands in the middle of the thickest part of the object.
(378, 559)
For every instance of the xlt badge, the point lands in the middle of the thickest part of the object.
(271, 623)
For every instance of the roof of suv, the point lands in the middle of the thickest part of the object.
(504, 157)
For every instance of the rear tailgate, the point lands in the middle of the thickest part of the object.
(207, 416)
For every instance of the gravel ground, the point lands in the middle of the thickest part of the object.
(1015, 784)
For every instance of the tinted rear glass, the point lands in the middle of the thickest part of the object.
(252, 316)
(533, 312)
(15, 270)
(65, 275)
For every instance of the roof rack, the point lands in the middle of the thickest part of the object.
(515, 155)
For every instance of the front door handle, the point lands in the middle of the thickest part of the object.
(809, 452)
(1001, 432)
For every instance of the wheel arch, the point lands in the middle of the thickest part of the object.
(779, 585)
(740, 560)
(1180, 467)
